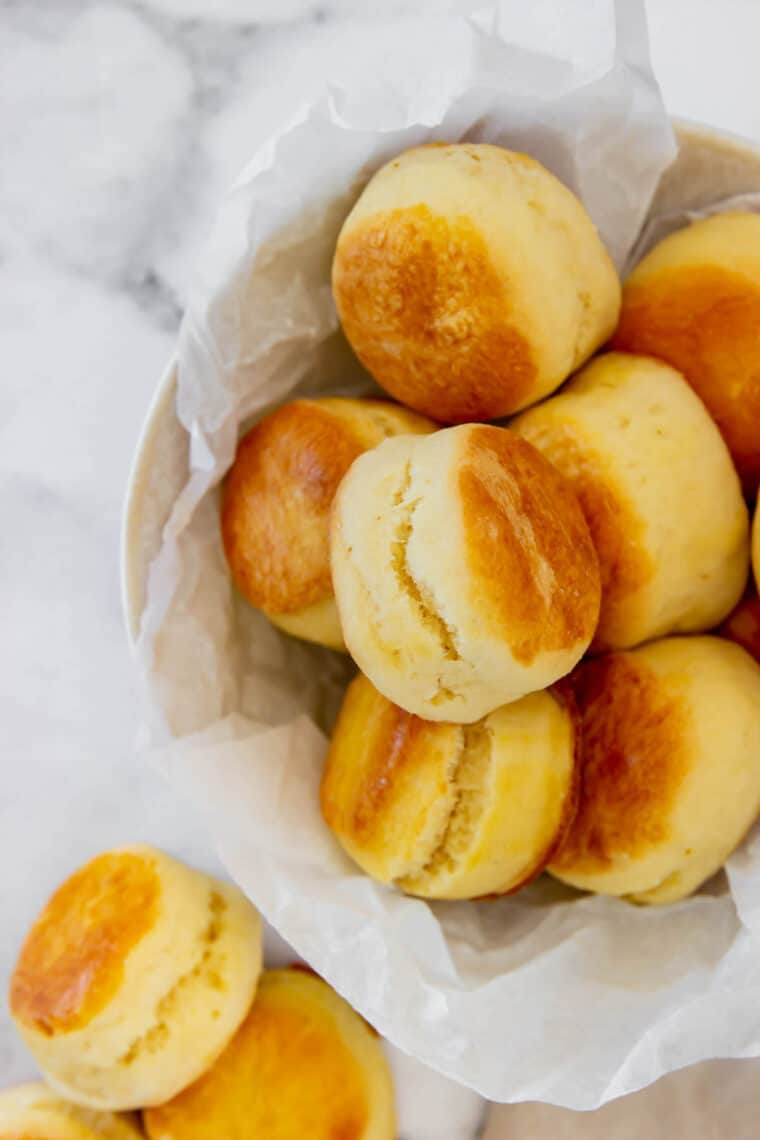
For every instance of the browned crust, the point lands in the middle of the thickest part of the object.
(635, 757)
(616, 527)
(304, 969)
(428, 314)
(276, 505)
(396, 741)
(705, 321)
(624, 562)
(521, 517)
(72, 962)
(287, 1072)
(380, 742)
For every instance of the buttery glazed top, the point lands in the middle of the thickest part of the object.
(527, 544)
(614, 521)
(694, 301)
(278, 494)
(288, 1072)
(635, 755)
(470, 281)
(72, 961)
(425, 308)
(382, 760)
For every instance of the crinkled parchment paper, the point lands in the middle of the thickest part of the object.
(546, 996)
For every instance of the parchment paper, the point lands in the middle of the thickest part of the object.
(547, 996)
(660, 225)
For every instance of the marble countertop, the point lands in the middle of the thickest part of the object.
(122, 122)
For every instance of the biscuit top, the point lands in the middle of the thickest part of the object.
(439, 290)
(445, 267)
(287, 1072)
(72, 961)
(277, 497)
(464, 571)
(636, 752)
(694, 301)
(528, 545)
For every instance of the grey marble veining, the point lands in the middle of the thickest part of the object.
(121, 124)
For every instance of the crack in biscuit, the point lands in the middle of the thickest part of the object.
(409, 585)
(468, 778)
(153, 1038)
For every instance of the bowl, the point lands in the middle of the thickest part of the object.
(419, 973)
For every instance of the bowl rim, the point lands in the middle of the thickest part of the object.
(132, 581)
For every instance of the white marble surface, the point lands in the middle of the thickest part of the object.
(120, 123)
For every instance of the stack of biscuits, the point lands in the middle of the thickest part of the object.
(536, 550)
(140, 993)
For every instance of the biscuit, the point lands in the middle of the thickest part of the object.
(35, 1112)
(134, 977)
(450, 811)
(463, 569)
(659, 491)
(694, 301)
(276, 505)
(670, 770)
(302, 1066)
(471, 282)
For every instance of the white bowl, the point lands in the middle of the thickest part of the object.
(445, 1025)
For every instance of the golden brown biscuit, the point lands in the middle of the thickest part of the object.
(302, 1066)
(276, 505)
(34, 1112)
(659, 492)
(134, 977)
(464, 571)
(451, 811)
(670, 771)
(694, 301)
(470, 282)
